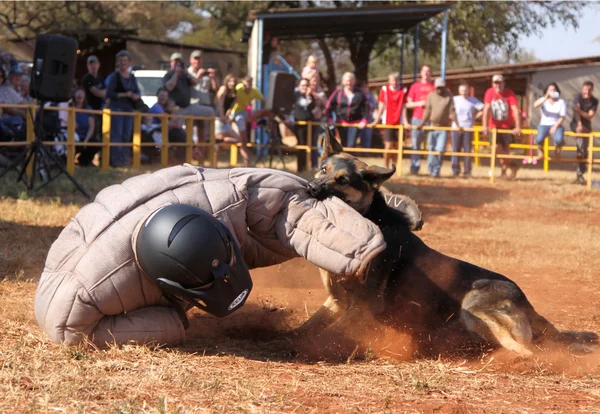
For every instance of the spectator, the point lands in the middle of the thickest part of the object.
(391, 99)
(226, 98)
(416, 100)
(304, 105)
(468, 108)
(439, 112)
(366, 135)
(25, 89)
(15, 77)
(9, 96)
(95, 90)
(207, 84)
(84, 128)
(245, 95)
(504, 115)
(123, 92)
(585, 106)
(554, 111)
(165, 105)
(349, 106)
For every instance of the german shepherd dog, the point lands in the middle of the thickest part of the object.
(412, 286)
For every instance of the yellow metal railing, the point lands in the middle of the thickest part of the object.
(189, 145)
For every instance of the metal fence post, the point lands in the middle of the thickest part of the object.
(105, 139)
(476, 147)
(211, 144)
(546, 160)
(400, 149)
(189, 139)
(71, 140)
(30, 137)
(493, 159)
(137, 140)
(164, 132)
(590, 160)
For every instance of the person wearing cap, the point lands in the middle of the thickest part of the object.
(180, 85)
(439, 112)
(95, 91)
(501, 104)
(123, 92)
(416, 99)
(207, 83)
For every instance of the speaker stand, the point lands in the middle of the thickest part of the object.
(43, 161)
(275, 141)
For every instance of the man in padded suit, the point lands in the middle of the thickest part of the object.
(130, 264)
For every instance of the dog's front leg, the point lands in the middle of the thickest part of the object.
(331, 310)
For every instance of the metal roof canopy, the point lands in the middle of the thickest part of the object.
(311, 23)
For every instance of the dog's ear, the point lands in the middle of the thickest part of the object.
(331, 146)
(376, 175)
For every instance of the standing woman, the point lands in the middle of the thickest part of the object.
(554, 111)
(84, 128)
(304, 104)
(225, 99)
(349, 105)
(123, 92)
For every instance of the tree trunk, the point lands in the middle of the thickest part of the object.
(330, 81)
(360, 52)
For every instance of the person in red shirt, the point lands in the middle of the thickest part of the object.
(391, 100)
(416, 100)
(501, 104)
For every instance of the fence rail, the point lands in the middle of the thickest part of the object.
(136, 144)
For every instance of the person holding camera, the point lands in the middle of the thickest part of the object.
(123, 93)
(554, 111)
(180, 85)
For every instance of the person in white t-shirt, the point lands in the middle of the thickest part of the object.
(468, 109)
(554, 111)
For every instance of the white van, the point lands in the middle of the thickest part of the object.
(149, 81)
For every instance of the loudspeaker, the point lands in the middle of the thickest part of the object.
(53, 69)
(280, 96)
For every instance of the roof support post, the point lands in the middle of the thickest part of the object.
(444, 41)
(402, 57)
(416, 64)
(259, 63)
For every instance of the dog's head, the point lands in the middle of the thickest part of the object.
(346, 177)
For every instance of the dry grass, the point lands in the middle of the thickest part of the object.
(541, 233)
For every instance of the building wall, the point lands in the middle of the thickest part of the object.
(569, 81)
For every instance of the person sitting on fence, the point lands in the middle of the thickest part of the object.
(350, 107)
(123, 93)
(225, 100)
(391, 100)
(439, 112)
(130, 264)
(245, 95)
(554, 111)
(175, 125)
(468, 109)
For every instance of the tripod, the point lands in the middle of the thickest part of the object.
(43, 160)
(272, 126)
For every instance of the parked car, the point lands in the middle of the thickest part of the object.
(149, 82)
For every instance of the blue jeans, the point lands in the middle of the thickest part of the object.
(417, 144)
(366, 137)
(461, 141)
(544, 131)
(436, 141)
(121, 129)
(348, 136)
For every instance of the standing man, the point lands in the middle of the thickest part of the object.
(95, 91)
(584, 109)
(416, 100)
(180, 85)
(439, 112)
(504, 115)
(207, 84)
(468, 108)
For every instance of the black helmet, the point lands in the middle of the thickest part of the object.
(193, 257)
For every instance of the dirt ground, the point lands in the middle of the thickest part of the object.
(541, 233)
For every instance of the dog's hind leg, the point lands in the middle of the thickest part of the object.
(492, 311)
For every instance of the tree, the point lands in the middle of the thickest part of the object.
(478, 31)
